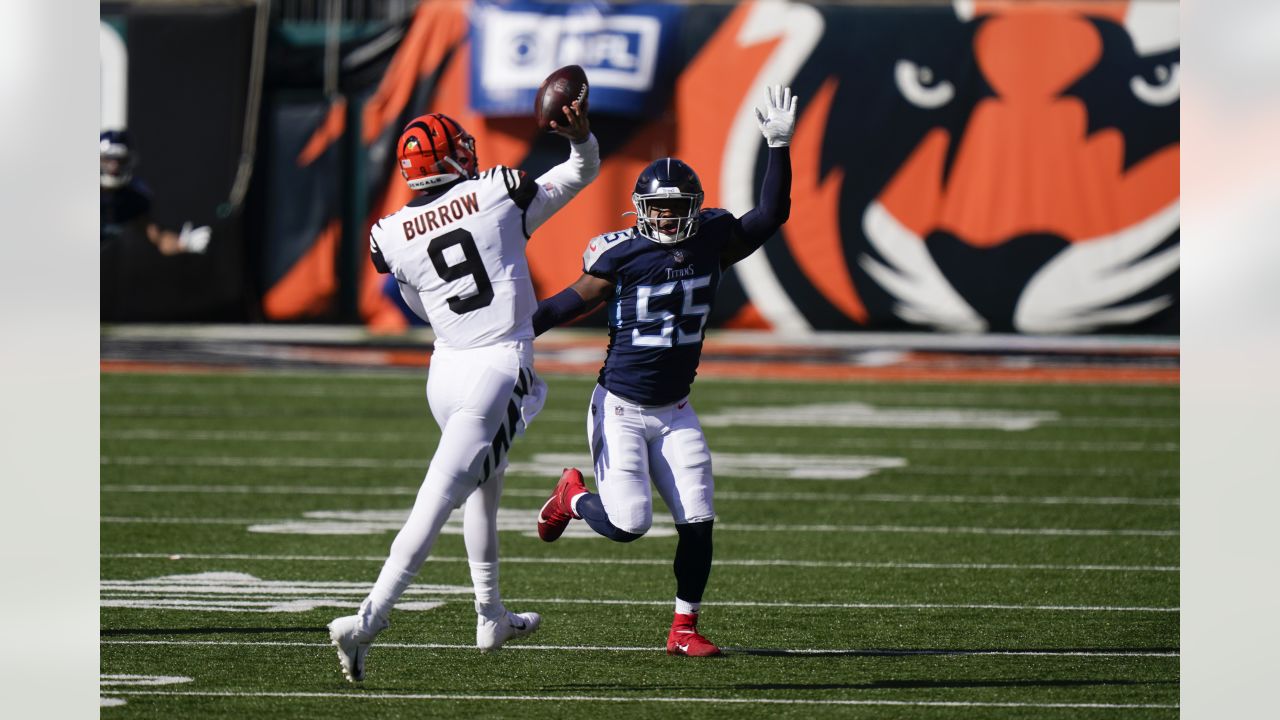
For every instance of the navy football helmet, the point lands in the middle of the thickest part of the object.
(115, 158)
(668, 198)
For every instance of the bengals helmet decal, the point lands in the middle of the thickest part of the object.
(435, 150)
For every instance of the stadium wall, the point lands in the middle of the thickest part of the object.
(186, 79)
(971, 166)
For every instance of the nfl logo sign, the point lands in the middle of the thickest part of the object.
(678, 255)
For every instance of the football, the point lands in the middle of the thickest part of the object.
(561, 88)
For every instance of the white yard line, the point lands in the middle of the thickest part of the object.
(187, 521)
(412, 389)
(860, 605)
(720, 562)
(268, 462)
(357, 591)
(421, 464)
(949, 530)
(722, 495)
(560, 698)
(1056, 446)
(733, 527)
(148, 434)
(275, 490)
(657, 648)
(1025, 472)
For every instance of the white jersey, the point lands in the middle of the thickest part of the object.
(459, 255)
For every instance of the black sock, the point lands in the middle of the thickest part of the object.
(693, 560)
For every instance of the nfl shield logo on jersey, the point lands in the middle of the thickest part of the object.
(677, 255)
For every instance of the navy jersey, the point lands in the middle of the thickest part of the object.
(658, 313)
(123, 206)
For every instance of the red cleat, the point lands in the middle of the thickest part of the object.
(684, 638)
(558, 510)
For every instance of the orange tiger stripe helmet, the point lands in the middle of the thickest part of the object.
(435, 150)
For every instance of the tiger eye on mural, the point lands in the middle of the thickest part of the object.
(970, 166)
(999, 167)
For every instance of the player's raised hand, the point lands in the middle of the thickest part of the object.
(194, 239)
(778, 124)
(578, 128)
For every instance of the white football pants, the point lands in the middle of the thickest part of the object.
(481, 398)
(632, 445)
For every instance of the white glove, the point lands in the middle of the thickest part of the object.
(780, 124)
(194, 240)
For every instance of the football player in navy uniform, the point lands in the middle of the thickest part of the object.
(660, 280)
(124, 201)
(457, 252)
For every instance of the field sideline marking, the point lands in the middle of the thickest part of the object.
(658, 648)
(723, 495)
(655, 561)
(354, 695)
(732, 527)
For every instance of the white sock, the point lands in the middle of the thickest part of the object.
(484, 577)
(687, 608)
(391, 584)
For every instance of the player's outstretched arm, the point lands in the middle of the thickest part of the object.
(777, 125)
(559, 185)
(584, 294)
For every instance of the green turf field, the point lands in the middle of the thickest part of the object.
(904, 551)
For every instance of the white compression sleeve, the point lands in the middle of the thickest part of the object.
(559, 185)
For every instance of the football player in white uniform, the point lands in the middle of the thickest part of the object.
(458, 253)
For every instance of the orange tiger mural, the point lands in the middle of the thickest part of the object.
(979, 167)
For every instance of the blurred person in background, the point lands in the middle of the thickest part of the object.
(457, 251)
(660, 278)
(125, 201)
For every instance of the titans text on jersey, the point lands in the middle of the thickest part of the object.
(658, 282)
(658, 314)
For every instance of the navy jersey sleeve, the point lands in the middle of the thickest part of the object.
(137, 202)
(774, 207)
(127, 204)
(720, 224)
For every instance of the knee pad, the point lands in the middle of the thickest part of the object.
(632, 516)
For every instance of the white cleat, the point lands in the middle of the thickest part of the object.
(352, 644)
(491, 634)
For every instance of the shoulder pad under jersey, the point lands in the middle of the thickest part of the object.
(712, 214)
(520, 186)
(600, 245)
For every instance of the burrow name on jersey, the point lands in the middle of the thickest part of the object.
(438, 216)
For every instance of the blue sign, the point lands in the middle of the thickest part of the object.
(626, 51)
